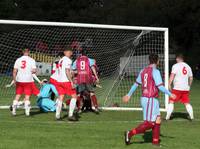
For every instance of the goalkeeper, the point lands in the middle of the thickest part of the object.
(44, 102)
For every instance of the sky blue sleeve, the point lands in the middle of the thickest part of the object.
(132, 90)
(92, 62)
(139, 79)
(74, 65)
(164, 90)
(135, 85)
(54, 90)
(159, 83)
(157, 77)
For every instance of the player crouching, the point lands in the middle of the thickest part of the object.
(151, 82)
(44, 102)
(23, 71)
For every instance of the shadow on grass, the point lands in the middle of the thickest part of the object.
(148, 138)
(176, 115)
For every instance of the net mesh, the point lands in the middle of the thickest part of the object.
(120, 55)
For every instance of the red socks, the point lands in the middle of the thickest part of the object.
(141, 128)
(68, 101)
(156, 134)
(94, 101)
(78, 102)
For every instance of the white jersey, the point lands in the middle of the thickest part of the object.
(55, 69)
(25, 66)
(182, 73)
(64, 63)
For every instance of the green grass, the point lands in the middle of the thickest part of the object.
(104, 131)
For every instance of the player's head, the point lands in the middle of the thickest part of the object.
(68, 51)
(25, 51)
(84, 52)
(179, 58)
(153, 59)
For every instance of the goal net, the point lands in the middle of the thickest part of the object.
(120, 52)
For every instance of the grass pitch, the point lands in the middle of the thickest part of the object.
(104, 131)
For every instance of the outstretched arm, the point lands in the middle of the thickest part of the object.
(159, 83)
(54, 90)
(127, 97)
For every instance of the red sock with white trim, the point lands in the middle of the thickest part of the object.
(141, 128)
(156, 134)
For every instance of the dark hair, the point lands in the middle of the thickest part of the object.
(181, 56)
(24, 49)
(67, 48)
(84, 52)
(153, 58)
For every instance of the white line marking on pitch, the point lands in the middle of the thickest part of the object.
(87, 122)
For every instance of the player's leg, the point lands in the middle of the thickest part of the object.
(27, 105)
(189, 109)
(186, 101)
(93, 97)
(157, 119)
(15, 104)
(170, 107)
(146, 125)
(72, 107)
(59, 106)
(18, 91)
(79, 102)
(47, 105)
(71, 92)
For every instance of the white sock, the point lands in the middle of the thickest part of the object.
(58, 108)
(27, 106)
(72, 106)
(189, 110)
(14, 106)
(170, 109)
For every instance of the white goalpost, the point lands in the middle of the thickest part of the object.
(120, 52)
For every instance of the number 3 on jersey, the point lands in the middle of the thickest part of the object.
(145, 79)
(23, 66)
(184, 70)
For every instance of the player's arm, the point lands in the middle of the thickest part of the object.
(34, 70)
(74, 68)
(16, 65)
(159, 83)
(11, 84)
(127, 97)
(95, 74)
(69, 75)
(190, 81)
(171, 78)
(36, 78)
(54, 90)
(190, 77)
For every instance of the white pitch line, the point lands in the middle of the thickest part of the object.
(87, 122)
